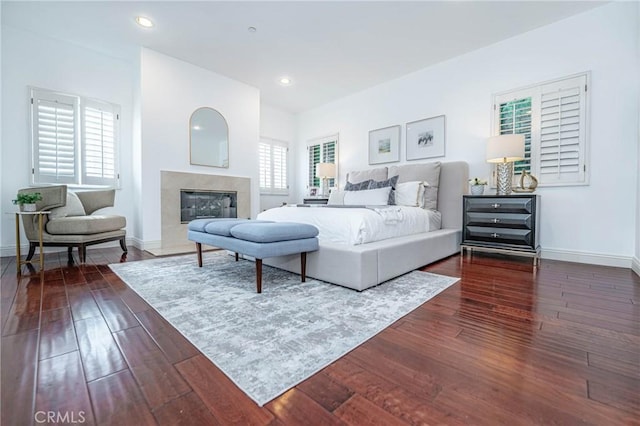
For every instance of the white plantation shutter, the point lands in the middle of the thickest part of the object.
(273, 159)
(563, 131)
(553, 118)
(280, 168)
(54, 121)
(74, 140)
(99, 148)
(322, 150)
(264, 154)
(314, 159)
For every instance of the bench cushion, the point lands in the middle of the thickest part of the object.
(199, 224)
(273, 232)
(85, 225)
(223, 227)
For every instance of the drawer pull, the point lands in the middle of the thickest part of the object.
(496, 220)
(495, 205)
(494, 235)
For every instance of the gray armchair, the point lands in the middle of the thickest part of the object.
(74, 230)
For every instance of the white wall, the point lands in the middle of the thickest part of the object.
(636, 260)
(592, 223)
(31, 60)
(279, 125)
(171, 91)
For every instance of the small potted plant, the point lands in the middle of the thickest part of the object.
(477, 186)
(27, 202)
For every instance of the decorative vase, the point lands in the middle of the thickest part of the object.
(28, 207)
(477, 189)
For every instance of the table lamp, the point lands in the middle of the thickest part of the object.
(504, 150)
(325, 171)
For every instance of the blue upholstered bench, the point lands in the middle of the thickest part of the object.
(255, 238)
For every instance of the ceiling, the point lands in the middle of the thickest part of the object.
(330, 49)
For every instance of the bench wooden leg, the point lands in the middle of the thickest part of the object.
(303, 266)
(199, 251)
(259, 275)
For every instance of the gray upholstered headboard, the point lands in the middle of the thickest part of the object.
(454, 183)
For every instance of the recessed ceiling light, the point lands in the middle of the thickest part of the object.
(144, 22)
(285, 81)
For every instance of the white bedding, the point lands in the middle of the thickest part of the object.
(360, 225)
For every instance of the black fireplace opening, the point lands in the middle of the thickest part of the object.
(203, 204)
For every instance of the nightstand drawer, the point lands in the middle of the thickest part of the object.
(499, 220)
(499, 204)
(506, 236)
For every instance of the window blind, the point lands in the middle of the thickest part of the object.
(553, 118)
(54, 120)
(264, 154)
(563, 132)
(74, 139)
(322, 150)
(99, 126)
(273, 159)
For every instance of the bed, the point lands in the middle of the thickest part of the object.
(360, 256)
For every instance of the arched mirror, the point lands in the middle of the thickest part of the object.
(209, 138)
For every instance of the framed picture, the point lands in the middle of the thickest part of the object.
(425, 138)
(384, 145)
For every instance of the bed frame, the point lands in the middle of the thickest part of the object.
(366, 265)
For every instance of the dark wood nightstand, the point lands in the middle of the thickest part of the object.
(316, 200)
(502, 223)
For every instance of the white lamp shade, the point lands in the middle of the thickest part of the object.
(505, 148)
(326, 170)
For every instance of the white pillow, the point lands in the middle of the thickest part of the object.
(368, 197)
(336, 198)
(73, 207)
(410, 194)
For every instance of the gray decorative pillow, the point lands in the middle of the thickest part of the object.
(360, 186)
(392, 181)
(73, 207)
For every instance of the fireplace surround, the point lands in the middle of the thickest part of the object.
(173, 229)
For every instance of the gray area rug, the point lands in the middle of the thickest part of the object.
(267, 343)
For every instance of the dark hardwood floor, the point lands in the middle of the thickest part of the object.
(501, 346)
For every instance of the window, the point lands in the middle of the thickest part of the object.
(74, 140)
(273, 157)
(322, 150)
(553, 118)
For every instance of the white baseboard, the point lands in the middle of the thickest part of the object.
(635, 266)
(587, 257)
(149, 245)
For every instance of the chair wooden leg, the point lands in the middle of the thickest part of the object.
(199, 251)
(70, 254)
(303, 266)
(123, 244)
(259, 275)
(82, 253)
(32, 250)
